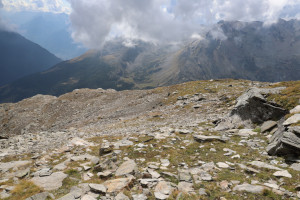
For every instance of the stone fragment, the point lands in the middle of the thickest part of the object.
(128, 167)
(203, 138)
(39, 196)
(246, 132)
(22, 173)
(185, 176)
(148, 183)
(80, 142)
(60, 166)
(222, 165)
(268, 125)
(260, 164)
(283, 173)
(98, 188)
(52, 182)
(224, 185)
(202, 192)
(165, 162)
(257, 189)
(154, 174)
(4, 167)
(163, 190)
(295, 110)
(292, 120)
(185, 187)
(123, 143)
(139, 197)
(88, 197)
(105, 149)
(105, 174)
(121, 196)
(295, 166)
(116, 185)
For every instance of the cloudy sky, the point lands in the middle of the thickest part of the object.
(95, 21)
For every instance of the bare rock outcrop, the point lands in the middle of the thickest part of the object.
(253, 108)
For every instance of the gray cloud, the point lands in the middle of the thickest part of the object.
(1, 4)
(168, 21)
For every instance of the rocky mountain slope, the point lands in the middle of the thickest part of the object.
(250, 51)
(189, 141)
(20, 57)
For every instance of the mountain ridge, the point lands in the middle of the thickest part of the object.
(20, 57)
(239, 50)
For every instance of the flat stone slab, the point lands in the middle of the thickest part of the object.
(204, 138)
(283, 173)
(117, 185)
(185, 187)
(163, 190)
(128, 167)
(4, 167)
(292, 120)
(257, 189)
(260, 164)
(98, 188)
(295, 110)
(267, 126)
(52, 182)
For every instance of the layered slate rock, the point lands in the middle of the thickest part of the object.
(128, 167)
(253, 108)
(52, 182)
(285, 142)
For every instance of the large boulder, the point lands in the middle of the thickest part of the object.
(285, 141)
(253, 108)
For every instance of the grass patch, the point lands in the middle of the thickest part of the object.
(24, 190)
(289, 97)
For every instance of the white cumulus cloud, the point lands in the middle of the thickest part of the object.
(95, 21)
(55, 6)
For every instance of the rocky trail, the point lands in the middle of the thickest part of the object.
(218, 139)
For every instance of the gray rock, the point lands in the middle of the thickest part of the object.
(39, 196)
(222, 165)
(295, 166)
(257, 189)
(185, 176)
(4, 167)
(121, 196)
(285, 142)
(108, 164)
(202, 192)
(154, 174)
(148, 183)
(295, 110)
(98, 188)
(260, 164)
(163, 190)
(292, 120)
(128, 167)
(123, 143)
(88, 197)
(105, 174)
(105, 149)
(185, 187)
(253, 108)
(60, 166)
(22, 173)
(203, 138)
(268, 125)
(52, 182)
(139, 197)
(283, 173)
(43, 172)
(117, 185)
